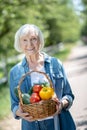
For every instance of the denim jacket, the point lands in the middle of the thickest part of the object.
(60, 84)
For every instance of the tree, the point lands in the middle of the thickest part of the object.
(84, 27)
(9, 22)
(55, 18)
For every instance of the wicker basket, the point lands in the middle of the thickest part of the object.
(39, 110)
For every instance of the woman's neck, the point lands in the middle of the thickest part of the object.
(35, 61)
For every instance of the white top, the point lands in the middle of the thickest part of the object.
(38, 78)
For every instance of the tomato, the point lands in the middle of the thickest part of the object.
(46, 93)
(34, 98)
(37, 88)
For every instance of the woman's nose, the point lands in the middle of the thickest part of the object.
(29, 43)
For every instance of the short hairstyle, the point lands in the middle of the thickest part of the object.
(24, 29)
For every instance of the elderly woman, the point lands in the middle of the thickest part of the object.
(29, 40)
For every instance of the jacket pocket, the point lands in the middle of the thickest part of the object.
(59, 83)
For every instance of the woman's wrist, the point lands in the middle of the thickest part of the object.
(64, 103)
(61, 105)
(18, 113)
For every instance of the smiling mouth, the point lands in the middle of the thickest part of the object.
(30, 49)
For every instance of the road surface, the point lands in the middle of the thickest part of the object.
(76, 68)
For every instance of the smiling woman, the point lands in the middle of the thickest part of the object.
(29, 40)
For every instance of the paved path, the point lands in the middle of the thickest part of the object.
(76, 69)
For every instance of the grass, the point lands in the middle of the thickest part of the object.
(4, 101)
(4, 88)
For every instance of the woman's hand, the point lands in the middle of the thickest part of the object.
(24, 115)
(60, 105)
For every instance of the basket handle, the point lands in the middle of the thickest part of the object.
(23, 77)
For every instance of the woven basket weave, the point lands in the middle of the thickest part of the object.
(39, 110)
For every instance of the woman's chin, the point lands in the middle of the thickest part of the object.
(31, 53)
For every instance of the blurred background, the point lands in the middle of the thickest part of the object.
(63, 23)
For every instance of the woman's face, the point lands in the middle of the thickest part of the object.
(30, 43)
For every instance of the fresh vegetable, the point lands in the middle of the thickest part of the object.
(37, 88)
(26, 98)
(45, 84)
(46, 93)
(30, 91)
(34, 98)
(38, 92)
(16, 91)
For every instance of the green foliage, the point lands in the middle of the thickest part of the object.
(55, 36)
(84, 30)
(84, 25)
(1, 73)
(56, 19)
(84, 2)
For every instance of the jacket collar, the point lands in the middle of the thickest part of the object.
(47, 59)
(24, 61)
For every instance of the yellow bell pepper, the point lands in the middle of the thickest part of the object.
(46, 93)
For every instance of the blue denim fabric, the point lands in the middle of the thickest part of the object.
(38, 125)
(60, 84)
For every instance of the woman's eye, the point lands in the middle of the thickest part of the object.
(34, 39)
(25, 40)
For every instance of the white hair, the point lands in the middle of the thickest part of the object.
(24, 29)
